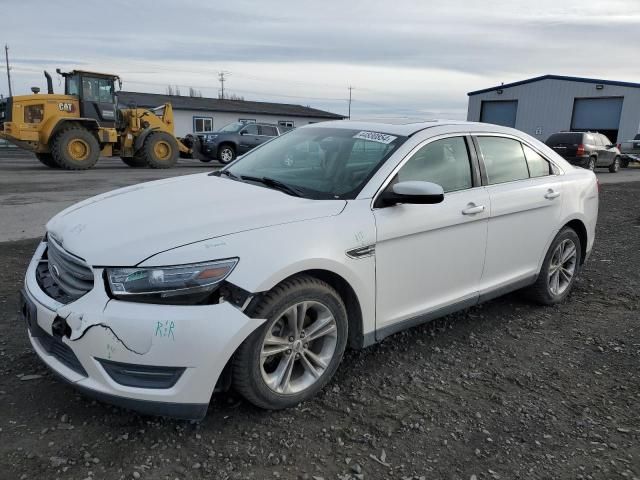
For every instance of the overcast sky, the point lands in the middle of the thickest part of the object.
(404, 58)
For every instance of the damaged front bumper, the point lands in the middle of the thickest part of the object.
(156, 359)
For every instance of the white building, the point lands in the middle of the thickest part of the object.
(201, 115)
(548, 104)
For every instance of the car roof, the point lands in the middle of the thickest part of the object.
(405, 127)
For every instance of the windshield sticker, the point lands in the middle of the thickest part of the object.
(375, 137)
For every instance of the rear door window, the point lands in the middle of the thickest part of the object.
(269, 131)
(538, 165)
(504, 159)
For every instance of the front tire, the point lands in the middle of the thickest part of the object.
(160, 150)
(297, 350)
(75, 148)
(226, 154)
(615, 166)
(559, 269)
(47, 159)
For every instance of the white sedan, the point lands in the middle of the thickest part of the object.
(258, 276)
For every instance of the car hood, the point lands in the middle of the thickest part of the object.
(126, 226)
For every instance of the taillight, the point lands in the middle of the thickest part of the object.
(619, 146)
(580, 151)
(598, 184)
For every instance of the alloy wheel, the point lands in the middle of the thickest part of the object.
(226, 155)
(298, 347)
(562, 267)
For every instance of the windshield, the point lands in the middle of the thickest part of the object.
(232, 127)
(320, 162)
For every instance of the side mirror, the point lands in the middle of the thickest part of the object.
(243, 132)
(415, 192)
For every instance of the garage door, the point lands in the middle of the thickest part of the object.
(499, 112)
(597, 114)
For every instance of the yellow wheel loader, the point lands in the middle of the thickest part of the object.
(73, 130)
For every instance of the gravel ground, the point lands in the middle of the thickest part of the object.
(504, 390)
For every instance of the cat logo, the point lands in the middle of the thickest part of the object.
(65, 107)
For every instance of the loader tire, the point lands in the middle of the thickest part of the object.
(134, 162)
(75, 148)
(160, 150)
(47, 159)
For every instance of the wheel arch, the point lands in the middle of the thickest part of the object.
(88, 123)
(581, 230)
(229, 143)
(345, 289)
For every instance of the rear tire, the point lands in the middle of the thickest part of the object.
(305, 334)
(160, 150)
(134, 162)
(559, 270)
(226, 154)
(592, 163)
(615, 166)
(47, 159)
(75, 148)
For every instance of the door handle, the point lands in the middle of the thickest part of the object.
(473, 209)
(551, 194)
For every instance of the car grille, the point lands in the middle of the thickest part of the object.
(63, 276)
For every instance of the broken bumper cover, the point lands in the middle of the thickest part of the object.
(196, 340)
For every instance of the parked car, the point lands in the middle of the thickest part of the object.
(237, 139)
(382, 228)
(630, 151)
(586, 149)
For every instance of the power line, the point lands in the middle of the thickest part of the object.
(349, 114)
(6, 56)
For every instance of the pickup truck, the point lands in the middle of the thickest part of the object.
(630, 151)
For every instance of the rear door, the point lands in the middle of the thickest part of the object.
(526, 203)
(267, 132)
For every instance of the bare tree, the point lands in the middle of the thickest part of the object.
(232, 96)
(195, 93)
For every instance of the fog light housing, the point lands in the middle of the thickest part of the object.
(141, 376)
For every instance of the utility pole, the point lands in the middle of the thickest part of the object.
(6, 57)
(222, 79)
(349, 115)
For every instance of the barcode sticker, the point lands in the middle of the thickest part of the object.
(375, 137)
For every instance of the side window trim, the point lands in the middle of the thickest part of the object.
(483, 172)
(414, 150)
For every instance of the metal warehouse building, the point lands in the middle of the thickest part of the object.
(201, 115)
(548, 104)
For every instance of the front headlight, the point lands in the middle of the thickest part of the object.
(176, 284)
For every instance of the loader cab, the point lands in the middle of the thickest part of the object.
(96, 94)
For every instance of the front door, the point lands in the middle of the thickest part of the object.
(429, 258)
(526, 204)
(249, 138)
(97, 100)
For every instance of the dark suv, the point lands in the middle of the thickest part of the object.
(237, 139)
(586, 149)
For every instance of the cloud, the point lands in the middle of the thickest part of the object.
(403, 57)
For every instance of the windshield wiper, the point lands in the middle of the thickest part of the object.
(227, 173)
(273, 183)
